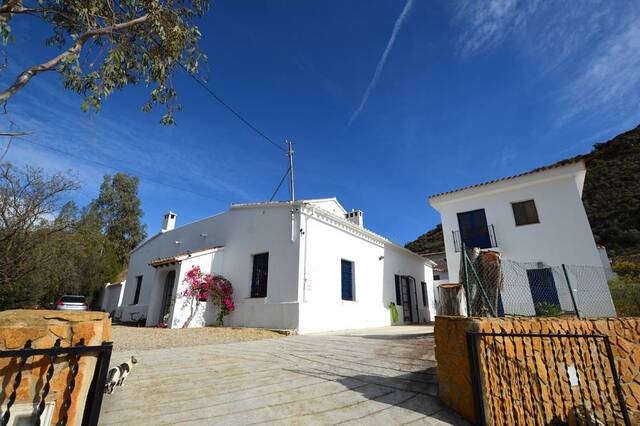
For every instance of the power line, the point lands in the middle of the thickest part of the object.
(204, 85)
(280, 184)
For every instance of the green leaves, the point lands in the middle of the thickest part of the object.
(107, 45)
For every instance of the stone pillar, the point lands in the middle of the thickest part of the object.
(43, 328)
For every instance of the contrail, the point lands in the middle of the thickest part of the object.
(383, 59)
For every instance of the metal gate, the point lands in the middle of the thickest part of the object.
(70, 355)
(529, 378)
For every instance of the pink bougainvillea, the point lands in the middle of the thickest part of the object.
(203, 287)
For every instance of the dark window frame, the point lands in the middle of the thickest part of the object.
(523, 216)
(136, 296)
(351, 283)
(398, 290)
(423, 286)
(259, 277)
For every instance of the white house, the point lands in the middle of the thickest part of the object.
(537, 221)
(111, 298)
(306, 265)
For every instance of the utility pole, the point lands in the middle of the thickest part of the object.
(292, 188)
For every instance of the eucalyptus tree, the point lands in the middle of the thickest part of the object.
(105, 45)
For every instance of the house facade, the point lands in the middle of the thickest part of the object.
(305, 265)
(537, 221)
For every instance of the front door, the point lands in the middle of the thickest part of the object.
(407, 306)
(167, 294)
(474, 231)
(543, 288)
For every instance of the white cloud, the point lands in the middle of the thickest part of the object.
(383, 59)
(592, 46)
(488, 23)
(610, 79)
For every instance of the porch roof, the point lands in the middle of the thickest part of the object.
(171, 260)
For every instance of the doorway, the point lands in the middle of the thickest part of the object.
(167, 293)
(543, 288)
(408, 301)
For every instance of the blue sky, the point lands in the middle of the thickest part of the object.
(386, 101)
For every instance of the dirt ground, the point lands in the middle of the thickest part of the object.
(142, 338)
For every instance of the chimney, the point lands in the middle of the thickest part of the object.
(169, 222)
(355, 216)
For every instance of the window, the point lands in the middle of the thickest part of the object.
(398, 293)
(474, 231)
(347, 280)
(260, 275)
(525, 212)
(136, 297)
(424, 293)
(436, 277)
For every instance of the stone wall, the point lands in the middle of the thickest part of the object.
(536, 388)
(43, 328)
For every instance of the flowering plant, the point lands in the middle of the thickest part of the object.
(221, 292)
(203, 287)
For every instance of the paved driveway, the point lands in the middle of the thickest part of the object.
(375, 376)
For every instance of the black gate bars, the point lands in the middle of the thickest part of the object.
(72, 355)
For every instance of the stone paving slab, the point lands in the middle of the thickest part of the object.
(379, 376)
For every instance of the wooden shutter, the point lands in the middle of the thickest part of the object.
(260, 275)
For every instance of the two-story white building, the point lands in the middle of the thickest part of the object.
(306, 265)
(537, 222)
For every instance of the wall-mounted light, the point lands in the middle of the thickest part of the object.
(204, 235)
(178, 243)
(381, 257)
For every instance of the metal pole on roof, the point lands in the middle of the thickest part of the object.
(292, 188)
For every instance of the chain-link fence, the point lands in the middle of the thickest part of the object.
(496, 287)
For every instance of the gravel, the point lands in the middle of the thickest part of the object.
(127, 338)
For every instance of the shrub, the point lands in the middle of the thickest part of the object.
(625, 289)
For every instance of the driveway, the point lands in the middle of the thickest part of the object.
(374, 376)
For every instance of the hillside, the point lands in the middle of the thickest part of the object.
(611, 197)
(430, 242)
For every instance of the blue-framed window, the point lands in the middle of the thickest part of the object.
(346, 268)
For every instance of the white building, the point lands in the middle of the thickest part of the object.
(537, 221)
(112, 294)
(307, 265)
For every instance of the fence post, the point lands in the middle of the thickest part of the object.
(465, 284)
(573, 298)
(476, 381)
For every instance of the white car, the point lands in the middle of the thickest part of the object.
(71, 303)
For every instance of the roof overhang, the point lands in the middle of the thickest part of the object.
(173, 260)
(575, 168)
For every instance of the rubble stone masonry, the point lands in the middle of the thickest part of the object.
(529, 378)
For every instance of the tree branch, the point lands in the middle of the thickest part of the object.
(28, 74)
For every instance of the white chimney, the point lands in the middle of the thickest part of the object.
(355, 216)
(169, 222)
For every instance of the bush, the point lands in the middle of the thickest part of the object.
(625, 289)
(546, 309)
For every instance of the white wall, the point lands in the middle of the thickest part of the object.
(243, 232)
(112, 296)
(562, 236)
(322, 247)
